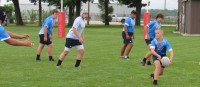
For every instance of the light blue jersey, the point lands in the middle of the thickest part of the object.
(152, 27)
(49, 22)
(161, 47)
(3, 34)
(130, 23)
(79, 24)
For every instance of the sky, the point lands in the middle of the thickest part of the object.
(159, 4)
(154, 4)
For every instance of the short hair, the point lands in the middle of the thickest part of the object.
(159, 16)
(54, 11)
(133, 12)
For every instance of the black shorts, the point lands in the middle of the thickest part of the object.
(72, 42)
(127, 41)
(42, 39)
(148, 41)
(155, 58)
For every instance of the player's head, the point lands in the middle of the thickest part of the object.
(84, 13)
(159, 33)
(54, 13)
(133, 14)
(159, 17)
(3, 16)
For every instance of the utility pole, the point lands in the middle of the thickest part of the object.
(88, 20)
(165, 8)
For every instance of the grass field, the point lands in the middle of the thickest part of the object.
(101, 66)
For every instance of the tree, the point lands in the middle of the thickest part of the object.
(9, 11)
(17, 12)
(106, 9)
(134, 3)
(71, 4)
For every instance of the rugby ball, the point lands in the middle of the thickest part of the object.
(165, 61)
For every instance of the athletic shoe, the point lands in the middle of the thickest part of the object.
(51, 59)
(126, 57)
(37, 59)
(143, 63)
(149, 63)
(152, 76)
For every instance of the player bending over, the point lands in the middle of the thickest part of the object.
(159, 45)
(46, 34)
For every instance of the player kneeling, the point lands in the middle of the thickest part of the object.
(158, 48)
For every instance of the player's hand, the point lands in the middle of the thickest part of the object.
(127, 37)
(25, 36)
(28, 43)
(159, 57)
(81, 39)
(45, 39)
(171, 61)
(148, 37)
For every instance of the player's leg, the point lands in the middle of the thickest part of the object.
(40, 47)
(49, 50)
(148, 54)
(156, 71)
(161, 71)
(39, 51)
(62, 56)
(80, 55)
(128, 49)
(123, 50)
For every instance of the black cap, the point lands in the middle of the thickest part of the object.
(2, 14)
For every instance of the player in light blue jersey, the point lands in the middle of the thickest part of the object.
(9, 37)
(46, 34)
(128, 35)
(151, 28)
(158, 47)
(75, 38)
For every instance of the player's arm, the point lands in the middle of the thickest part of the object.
(82, 35)
(146, 31)
(171, 56)
(45, 33)
(77, 35)
(17, 36)
(126, 24)
(155, 54)
(15, 42)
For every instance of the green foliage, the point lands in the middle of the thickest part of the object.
(9, 10)
(101, 6)
(32, 15)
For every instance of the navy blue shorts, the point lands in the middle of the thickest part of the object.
(156, 58)
(127, 41)
(148, 41)
(42, 39)
(72, 42)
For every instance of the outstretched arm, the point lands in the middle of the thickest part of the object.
(17, 36)
(15, 42)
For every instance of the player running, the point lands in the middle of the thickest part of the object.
(75, 38)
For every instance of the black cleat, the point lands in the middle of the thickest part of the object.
(149, 63)
(143, 63)
(37, 59)
(152, 76)
(51, 59)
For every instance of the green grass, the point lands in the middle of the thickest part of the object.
(101, 66)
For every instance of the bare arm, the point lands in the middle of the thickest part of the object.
(45, 33)
(146, 31)
(77, 35)
(155, 54)
(126, 31)
(15, 42)
(16, 36)
(171, 53)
